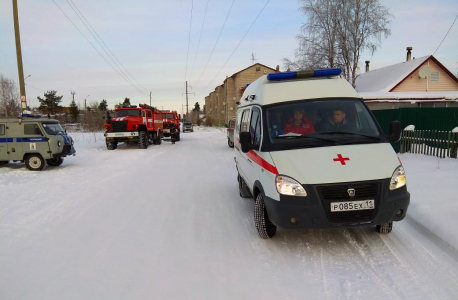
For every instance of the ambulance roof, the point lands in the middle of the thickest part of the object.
(265, 90)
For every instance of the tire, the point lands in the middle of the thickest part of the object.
(55, 162)
(34, 162)
(230, 144)
(112, 145)
(384, 228)
(142, 140)
(265, 228)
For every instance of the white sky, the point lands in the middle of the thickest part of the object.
(150, 38)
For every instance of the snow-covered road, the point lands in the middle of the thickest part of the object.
(168, 223)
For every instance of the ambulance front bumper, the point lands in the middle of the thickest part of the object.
(314, 211)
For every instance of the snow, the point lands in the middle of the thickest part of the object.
(168, 223)
(384, 79)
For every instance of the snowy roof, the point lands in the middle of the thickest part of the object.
(407, 96)
(385, 79)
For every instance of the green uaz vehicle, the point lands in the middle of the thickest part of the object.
(35, 141)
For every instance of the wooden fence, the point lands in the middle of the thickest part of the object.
(430, 142)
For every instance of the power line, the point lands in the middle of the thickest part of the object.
(200, 37)
(189, 41)
(93, 45)
(211, 54)
(446, 34)
(112, 54)
(237, 45)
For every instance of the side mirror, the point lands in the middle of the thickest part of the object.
(245, 141)
(395, 132)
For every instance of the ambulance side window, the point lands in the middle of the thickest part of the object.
(245, 118)
(32, 129)
(255, 127)
(2, 129)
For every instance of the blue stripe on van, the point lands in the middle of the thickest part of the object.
(6, 140)
(31, 140)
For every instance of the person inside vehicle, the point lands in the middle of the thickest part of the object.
(275, 127)
(299, 123)
(336, 122)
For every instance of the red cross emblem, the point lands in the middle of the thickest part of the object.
(341, 159)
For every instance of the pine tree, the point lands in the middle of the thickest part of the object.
(74, 111)
(50, 102)
(103, 105)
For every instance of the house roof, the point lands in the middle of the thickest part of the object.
(250, 67)
(385, 79)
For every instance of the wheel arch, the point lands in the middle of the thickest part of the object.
(257, 189)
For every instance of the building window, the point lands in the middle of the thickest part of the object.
(258, 69)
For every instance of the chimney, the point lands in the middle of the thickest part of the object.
(409, 54)
(367, 65)
(277, 70)
(288, 70)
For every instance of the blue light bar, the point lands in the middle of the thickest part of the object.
(304, 74)
(328, 72)
(30, 116)
(134, 106)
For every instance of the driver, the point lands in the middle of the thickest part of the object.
(299, 124)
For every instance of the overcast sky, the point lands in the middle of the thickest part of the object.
(150, 39)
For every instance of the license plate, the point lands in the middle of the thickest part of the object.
(166, 130)
(352, 205)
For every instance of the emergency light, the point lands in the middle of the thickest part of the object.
(30, 116)
(304, 74)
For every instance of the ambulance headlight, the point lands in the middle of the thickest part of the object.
(288, 186)
(398, 179)
(59, 144)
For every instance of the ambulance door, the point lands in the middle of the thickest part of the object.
(243, 165)
(34, 141)
(149, 120)
(252, 156)
(3, 143)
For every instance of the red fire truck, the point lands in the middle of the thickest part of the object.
(171, 124)
(132, 124)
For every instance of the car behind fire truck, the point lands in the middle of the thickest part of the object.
(132, 124)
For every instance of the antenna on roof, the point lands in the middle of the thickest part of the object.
(252, 58)
(424, 72)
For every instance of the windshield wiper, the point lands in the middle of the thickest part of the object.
(308, 136)
(352, 133)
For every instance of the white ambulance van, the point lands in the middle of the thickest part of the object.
(312, 155)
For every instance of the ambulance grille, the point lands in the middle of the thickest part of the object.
(340, 192)
(119, 126)
(352, 217)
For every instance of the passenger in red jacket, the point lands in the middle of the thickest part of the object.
(299, 124)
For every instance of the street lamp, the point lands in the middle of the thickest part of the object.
(85, 102)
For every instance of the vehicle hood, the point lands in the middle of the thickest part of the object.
(321, 165)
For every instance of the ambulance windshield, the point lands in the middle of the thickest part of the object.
(321, 121)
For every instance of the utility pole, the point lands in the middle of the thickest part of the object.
(73, 95)
(19, 57)
(187, 108)
(149, 98)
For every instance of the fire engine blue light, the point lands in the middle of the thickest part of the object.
(134, 106)
(328, 72)
(30, 116)
(281, 76)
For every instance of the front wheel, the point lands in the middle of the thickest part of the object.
(142, 140)
(34, 162)
(265, 228)
(112, 145)
(384, 228)
(55, 162)
(230, 143)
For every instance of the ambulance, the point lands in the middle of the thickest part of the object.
(34, 140)
(311, 155)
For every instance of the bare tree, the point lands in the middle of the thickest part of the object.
(337, 31)
(9, 98)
